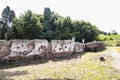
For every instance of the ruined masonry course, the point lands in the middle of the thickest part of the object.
(43, 48)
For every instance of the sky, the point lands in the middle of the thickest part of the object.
(105, 14)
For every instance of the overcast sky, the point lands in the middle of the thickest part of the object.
(105, 14)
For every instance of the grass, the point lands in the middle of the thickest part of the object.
(116, 48)
(86, 67)
(110, 40)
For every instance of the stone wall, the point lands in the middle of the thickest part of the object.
(23, 48)
(28, 47)
(5, 48)
(79, 47)
(62, 46)
(94, 46)
(42, 48)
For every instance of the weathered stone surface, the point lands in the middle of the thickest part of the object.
(79, 47)
(15, 49)
(28, 48)
(59, 46)
(95, 46)
(21, 47)
(40, 48)
(62, 47)
(4, 48)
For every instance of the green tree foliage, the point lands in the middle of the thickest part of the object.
(52, 26)
(49, 26)
(57, 27)
(2, 29)
(47, 13)
(85, 30)
(27, 26)
(7, 16)
(64, 28)
(103, 32)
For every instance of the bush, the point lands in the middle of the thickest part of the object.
(110, 40)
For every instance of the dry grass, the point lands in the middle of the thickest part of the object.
(86, 67)
(116, 48)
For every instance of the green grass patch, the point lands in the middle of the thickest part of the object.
(110, 40)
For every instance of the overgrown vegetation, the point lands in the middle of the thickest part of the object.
(7, 18)
(110, 40)
(50, 26)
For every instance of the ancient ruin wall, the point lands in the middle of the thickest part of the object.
(26, 48)
(79, 47)
(42, 48)
(22, 48)
(59, 46)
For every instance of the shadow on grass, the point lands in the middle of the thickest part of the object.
(71, 56)
(28, 61)
(56, 79)
(5, 75)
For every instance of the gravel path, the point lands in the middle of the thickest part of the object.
(116, 58)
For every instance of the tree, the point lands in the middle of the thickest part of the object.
(8, 16)
(2, 29)
(27, 26)
(85, 30)
(113, 32)
(49, 26)
(1, 23)
(52, 26)
(103, 32)
(47, 13)
(66, 31)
